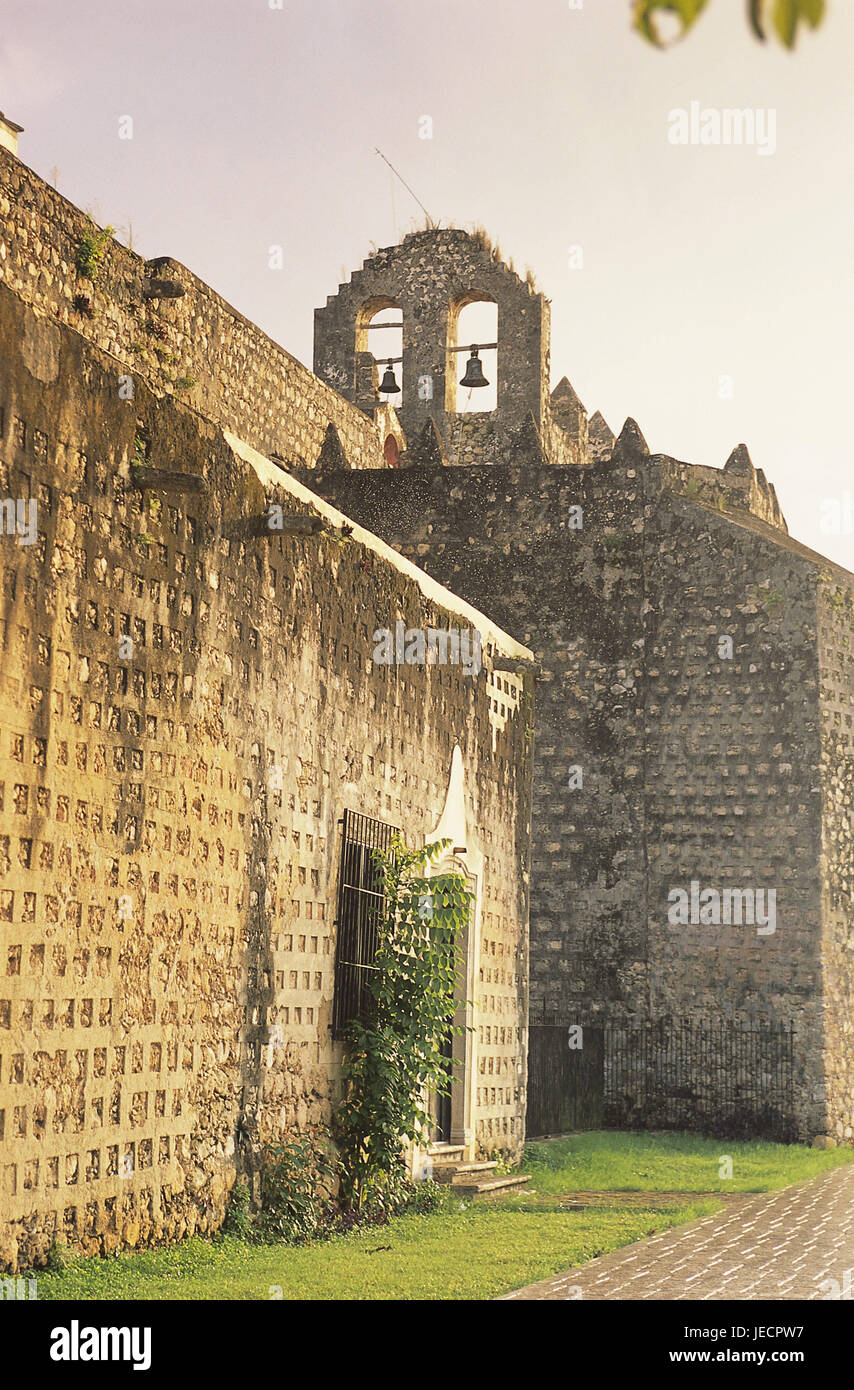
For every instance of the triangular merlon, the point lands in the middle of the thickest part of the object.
(332, 456)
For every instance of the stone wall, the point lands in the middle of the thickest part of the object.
(733, 796)
(472, 439)
(196, 345)
(169, 813)
(694, 766)
(836, 659)
(505, 535)
(737, 486)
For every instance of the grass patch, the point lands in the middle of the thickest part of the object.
(468, 1252)
(474, 1254)
(617, 1161)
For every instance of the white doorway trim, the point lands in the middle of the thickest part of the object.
(465, 858)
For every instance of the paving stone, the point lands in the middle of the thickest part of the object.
(675, 1265)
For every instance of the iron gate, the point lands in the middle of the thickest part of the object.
(360, 906)
(720, 1076)
(565, 1084)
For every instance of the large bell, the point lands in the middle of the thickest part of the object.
(474, 371)
(388, 385)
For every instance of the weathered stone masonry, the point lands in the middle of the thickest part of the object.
(240, 376)
(736, 773)
(166, 912)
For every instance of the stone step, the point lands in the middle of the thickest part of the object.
(450, 1172)
(441, 1155)
(498, 1183)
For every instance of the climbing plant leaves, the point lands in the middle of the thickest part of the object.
(394, 1055)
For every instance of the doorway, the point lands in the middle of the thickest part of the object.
(442, 1104)
(453, 1112)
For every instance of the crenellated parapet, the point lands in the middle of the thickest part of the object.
(738, 486)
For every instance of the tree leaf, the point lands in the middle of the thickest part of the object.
(813, 12)
(789, 13)
(784, 15)
(786, 21)
(644, 16)
(755, 8)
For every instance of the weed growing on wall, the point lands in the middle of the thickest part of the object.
(238, 1216)
(57, 1257)
(91, 249)
(296, 1178)
(393, 1057)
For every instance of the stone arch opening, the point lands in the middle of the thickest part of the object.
(472, 321)
(379, 343)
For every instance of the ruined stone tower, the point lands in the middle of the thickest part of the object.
(429, 280)
(693, 712)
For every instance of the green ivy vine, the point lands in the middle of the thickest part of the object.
(393, 1057)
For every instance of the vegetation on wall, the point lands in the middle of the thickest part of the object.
(297, 1178)
(709, 492)
(317, 1183)
(393, 1057)
(91, 249)
(770, 599)
(139, 461)
(836, 596)
(298, 1197)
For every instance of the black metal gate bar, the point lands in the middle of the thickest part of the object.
(360, 905)
(717, 1076)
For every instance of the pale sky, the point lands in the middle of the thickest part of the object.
(255, 126)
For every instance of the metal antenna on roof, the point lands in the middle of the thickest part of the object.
(406, 186)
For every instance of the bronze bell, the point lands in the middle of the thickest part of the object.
(388, 385)
(474, 371)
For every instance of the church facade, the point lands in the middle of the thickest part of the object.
(692, 867)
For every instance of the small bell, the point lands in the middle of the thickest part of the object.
(388, 385)
(474, 371)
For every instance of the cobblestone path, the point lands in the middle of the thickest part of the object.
(778, 1245)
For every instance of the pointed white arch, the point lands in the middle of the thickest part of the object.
(463, 856)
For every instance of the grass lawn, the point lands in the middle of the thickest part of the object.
(668, 1162)
(485, 1250)
(465, 1251)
